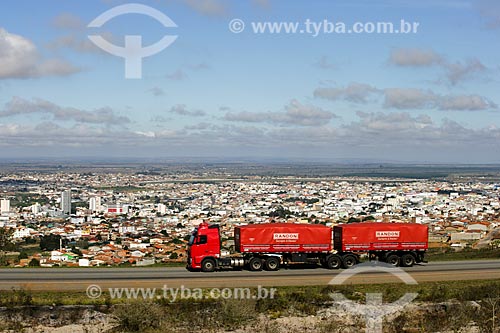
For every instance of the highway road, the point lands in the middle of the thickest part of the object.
(80, 278)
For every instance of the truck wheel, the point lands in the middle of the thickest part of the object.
(333, 262)
(272, 264)
(349, 260)
(392, 259)
(255, 264)
(407, 260)
(208, 265)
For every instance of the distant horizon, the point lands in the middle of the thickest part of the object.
(187, 160)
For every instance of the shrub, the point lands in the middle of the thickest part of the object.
(34, 263)
(139, 317)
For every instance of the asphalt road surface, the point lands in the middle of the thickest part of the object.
(80, 278)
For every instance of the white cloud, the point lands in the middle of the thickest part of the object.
(19, 106)
(182, 110)
(295, 113)
(49, 134)
(324, 63)
(67, 21)
(458, 71)
(414, 57)
(392, 122)
(490, 12)
(178, 75)
(157, 91)
(79, 43)
(20, 59)
(465, 102)
(411, 98)
(199, 66)
(454, 72)
(394, 135)
(354, 92)
(208, 7)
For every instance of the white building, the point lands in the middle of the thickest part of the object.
(83, 262)
(22, 232)
(142, 246)
(58, 256)
(5, 206)
(162, 209)
(66, 202)
(35, 209)
(95, 204)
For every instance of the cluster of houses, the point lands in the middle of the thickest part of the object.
(142, 221)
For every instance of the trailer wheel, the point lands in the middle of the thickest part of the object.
(272, 264)
(208, 265)
(407, 260)
(392, 259)
(255, 264)
(333, 262)
(349, 260)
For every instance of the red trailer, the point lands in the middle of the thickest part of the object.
(283, 237)
(270, 245)
(380, 236)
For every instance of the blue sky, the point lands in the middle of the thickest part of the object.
(428, 96)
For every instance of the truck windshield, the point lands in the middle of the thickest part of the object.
(193, 236)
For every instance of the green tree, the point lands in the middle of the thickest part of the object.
(34, 263)
(82, 243)
(51, 242)
(6, 239)
(6, 244)
(29, 240)
(352, 220)
(76, 251)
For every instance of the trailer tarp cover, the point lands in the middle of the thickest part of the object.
(380, 236)
(283, 237)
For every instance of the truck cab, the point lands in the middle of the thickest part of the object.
(204, 247)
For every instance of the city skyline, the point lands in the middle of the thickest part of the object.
(429, 96)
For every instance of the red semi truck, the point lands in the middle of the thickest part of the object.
(270, 245)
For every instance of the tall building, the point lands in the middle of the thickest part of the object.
(5, 206)
(66, 202)
(95, 204)
(35, 209)
(162, 209)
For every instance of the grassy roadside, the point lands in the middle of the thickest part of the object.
(442, 306)
(468, 290)
(465, 254)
